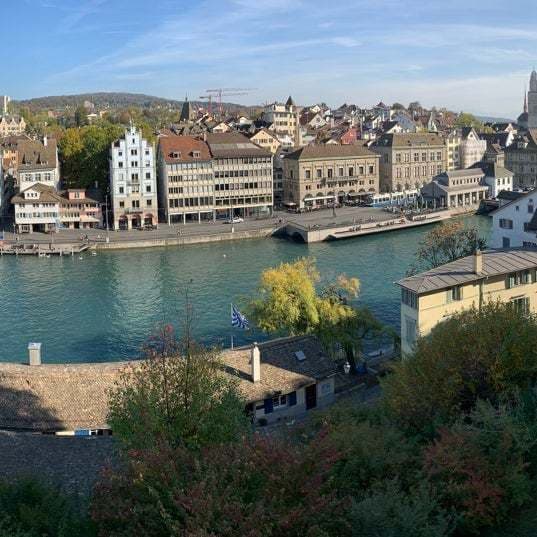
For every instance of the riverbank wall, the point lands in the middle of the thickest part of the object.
(184, 240)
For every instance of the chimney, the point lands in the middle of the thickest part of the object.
(478, 262)
(256, 363)
(34, 353)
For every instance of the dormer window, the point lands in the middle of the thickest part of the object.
(196, 154)
(176, 154)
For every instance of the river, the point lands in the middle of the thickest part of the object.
(103, 307)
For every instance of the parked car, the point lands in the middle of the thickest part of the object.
(235, 220)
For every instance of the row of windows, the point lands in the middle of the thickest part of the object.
(190, 178)
(36, 177)
(241, 186)
(37, 215)
(135, 204)
(189, 166)
(405, 157)
(134, 164)
(341, 172)
(191, 202)
(245, 160)
(190, 189)
(243, 173)
(135, 189)
(419, 171)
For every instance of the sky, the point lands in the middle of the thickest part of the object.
(471, 55)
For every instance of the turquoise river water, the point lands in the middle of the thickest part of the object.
(103, 307)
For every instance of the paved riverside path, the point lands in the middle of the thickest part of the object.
(323, 217)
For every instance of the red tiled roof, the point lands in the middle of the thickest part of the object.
(185, 146)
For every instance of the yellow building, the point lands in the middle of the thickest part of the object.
(432, 296)
(267, 140)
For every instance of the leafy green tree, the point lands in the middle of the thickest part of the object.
(178, 395)
(447, 242)
(468, 120)
(475, 354)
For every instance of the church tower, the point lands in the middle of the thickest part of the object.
(532, 101)
(187, 114)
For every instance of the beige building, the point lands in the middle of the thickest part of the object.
(453, 150)
(318, 175)
(409, 160)
(243, 176)
(284, 121)
(185, 179)
(457, 188)
(432, 296)
(267, 140)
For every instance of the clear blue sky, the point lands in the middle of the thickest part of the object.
(472, 55)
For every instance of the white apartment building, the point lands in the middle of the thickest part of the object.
(515, 223)
(36, 209)
(133, 181)
(284, 121)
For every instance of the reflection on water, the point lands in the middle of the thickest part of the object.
(103, 307)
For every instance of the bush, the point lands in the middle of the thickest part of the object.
(29, 508)
(479, 466)
(475, 354)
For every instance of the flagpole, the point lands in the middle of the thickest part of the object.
(231, 310)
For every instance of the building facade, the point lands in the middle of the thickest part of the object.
(133, 183)
(243, 176)
(472, 147)
(433, 296)
(318, 175)
(185, 179)
(284, 121)
(40, 208)
(521, 159)
(409, 160)
(457, 188)
(514, 224)
(11, 125)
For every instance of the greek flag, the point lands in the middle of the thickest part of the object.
(238, 320)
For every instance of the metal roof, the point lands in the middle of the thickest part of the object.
(495, 263)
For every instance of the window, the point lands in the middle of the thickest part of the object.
(308, 174)
(454, 294)
(319, 174)
(518, 278)
(148, 188)
(410, 330)
(351, 172)
(135, 204)
(279, 401)
(121, 190)
(506, 223)
(409, 298)
(521, 304)
(149, 203)
(134, 152)
(148, 175)
(506, 242)
(341, 172)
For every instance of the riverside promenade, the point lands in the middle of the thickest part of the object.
(314, 226)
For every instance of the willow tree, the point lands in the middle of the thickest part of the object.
(290, 301)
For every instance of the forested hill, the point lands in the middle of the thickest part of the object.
(100, 100)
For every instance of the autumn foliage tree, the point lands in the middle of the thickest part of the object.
(475, 354)
(178, 395)
(447, 242)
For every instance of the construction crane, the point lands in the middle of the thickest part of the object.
(212, 94)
